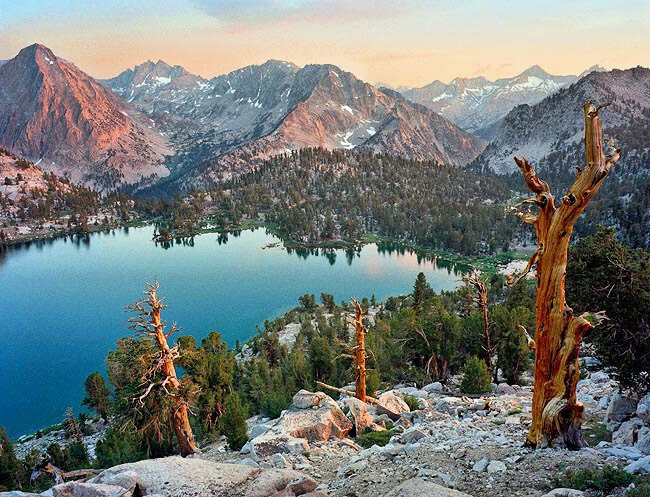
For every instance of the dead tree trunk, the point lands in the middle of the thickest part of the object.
(557, 414)
(72, 427)
(150, 324)
(481, 299)
(358, 355)
(359, 352)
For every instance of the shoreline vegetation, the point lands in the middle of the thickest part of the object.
(485, 263)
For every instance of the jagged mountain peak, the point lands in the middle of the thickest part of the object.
(468, 82)
(53, 113)
(478, 105)
(280, 63)
(541, 131)
(594, 68)
(536, 71)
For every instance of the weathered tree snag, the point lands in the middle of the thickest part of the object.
(72, 427)
(44, 467)
(481, 299)
(149, 324)
(557, 415)
(359, 352)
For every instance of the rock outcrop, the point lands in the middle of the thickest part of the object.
(418, 487)
(179, 477)
(311, 417)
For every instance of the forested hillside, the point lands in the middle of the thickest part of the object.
(316, 196)
(35, 203)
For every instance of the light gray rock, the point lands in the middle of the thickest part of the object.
(184, 477)
(480, 465)
(18, 493)
(80, 489)
(359, 413)
(626, 434)
(413, 434)
(590, 362)
(311, 417)
(417, 487)
(643, 440)
(258, 430)
(496, 467)
(505, 389)
(623, 453)
(305, 399)
(603, 402)
(322, 420)
(640, 467)
(564, 492)
(599, 377)
(643, 409)
(620, 408)
(279, 461)
(435, 387)
(356, 466)
(264, 446)
(390, 404)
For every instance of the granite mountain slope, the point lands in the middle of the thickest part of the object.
(59, 117)
(226, 125)
(551, 133)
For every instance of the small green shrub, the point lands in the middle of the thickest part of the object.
(412, 402)
(379, 438)
(603, 479)
(373, 382)
(642, 490)
(233, 422)
(476, 378)
(516, 410)
(119, 447)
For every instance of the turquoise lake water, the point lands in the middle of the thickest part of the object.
(61, 301)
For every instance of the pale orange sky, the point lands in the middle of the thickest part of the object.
(399, 42)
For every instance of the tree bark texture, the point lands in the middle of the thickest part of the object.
(557, 414)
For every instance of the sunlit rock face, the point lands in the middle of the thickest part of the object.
(60, 118)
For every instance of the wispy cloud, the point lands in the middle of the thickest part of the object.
(289, 10)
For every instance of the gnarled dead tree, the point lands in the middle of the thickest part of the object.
(358, 354)
(72, 427)
(481, 299)
(557, 414)
(44, 467)
(149, 325)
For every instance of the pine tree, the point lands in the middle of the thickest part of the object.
(421, 291)
(97, 395)
(11, 471)
(233, 422)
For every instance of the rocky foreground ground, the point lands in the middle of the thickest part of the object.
(450, 446)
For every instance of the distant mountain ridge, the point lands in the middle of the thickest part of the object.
(478, 104)
(225, 125)
(59, 117)
(551, 135)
